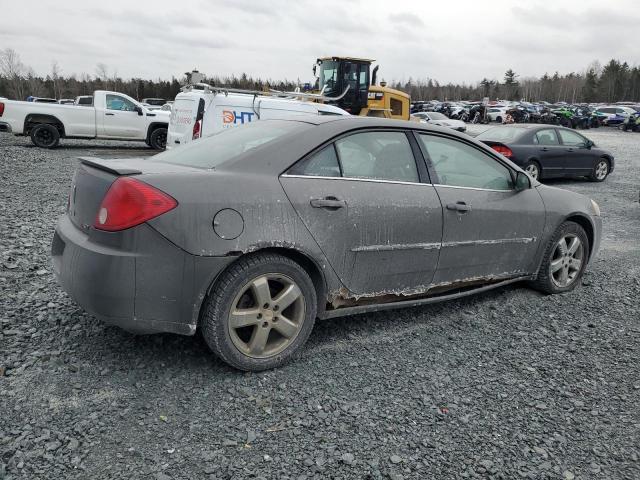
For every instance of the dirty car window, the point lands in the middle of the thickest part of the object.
(323, 164)
(377, 155)
(461, 165)
(214, 150)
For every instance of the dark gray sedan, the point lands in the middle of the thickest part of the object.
(252, 234)
(547, 151)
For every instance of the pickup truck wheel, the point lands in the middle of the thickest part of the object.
(45, 136)
(158, 139)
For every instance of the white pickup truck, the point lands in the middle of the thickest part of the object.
(113, 116)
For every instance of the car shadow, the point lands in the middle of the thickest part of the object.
(191, 354)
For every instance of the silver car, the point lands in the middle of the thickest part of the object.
(252, 234)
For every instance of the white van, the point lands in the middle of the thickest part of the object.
(201, 110)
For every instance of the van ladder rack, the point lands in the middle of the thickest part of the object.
(271, 93)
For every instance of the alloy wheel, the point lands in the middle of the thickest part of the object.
(602, 169)
(567, 259)
(266, 316)
(532, 169)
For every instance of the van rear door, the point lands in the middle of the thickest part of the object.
(184, 115)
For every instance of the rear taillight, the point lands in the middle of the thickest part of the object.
(503, 150)
(197, 128)
(1, 108)
(130, 202)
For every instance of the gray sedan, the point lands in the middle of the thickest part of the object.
(252, 234)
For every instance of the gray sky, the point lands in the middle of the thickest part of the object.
(460, 40)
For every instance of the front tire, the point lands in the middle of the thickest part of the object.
(158, 139)
(260, 312)
(600, 171)
(564, 261)
(45, 136)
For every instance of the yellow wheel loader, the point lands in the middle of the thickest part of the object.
(350, 80)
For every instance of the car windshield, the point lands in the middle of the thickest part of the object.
(437, 116)
(212, 151)
(501, 134)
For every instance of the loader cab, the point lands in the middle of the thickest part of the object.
(335, 74)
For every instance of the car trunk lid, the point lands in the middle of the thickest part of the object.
(94, 176)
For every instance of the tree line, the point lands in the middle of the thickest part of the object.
(615, 81)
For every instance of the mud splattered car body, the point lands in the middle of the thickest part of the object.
(374, 213)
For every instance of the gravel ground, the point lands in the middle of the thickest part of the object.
(509, 384)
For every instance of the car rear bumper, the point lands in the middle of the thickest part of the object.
(5, 127)
(136, 280)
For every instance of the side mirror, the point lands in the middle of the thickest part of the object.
(589, 144)
(522, 181)
(138, 109)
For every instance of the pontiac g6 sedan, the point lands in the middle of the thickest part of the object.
(252, 234)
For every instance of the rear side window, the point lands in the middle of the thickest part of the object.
(214, 150)
(546, 137)
(323, 164)
(377, 155)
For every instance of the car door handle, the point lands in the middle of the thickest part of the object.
(459, 206)
(569, 149)
(328, 202)
(110, 114)
(544, 149)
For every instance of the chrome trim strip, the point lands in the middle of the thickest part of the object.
(401, 246)
(471, 188)
(497, 241)
(372, 180)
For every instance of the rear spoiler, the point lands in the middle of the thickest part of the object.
(110, 166)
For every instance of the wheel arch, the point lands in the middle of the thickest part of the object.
(305, 260)
(34, 119)
(586, 224)
(154, 126)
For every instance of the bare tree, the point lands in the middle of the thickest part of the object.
(55, 77)
(13, 70)
(102, 73)
(36, 86)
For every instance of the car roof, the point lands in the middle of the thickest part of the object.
(357, 122)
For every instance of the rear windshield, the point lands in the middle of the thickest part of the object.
(213, 151)
(502, 134)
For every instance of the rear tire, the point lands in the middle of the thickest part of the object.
(45, 135)
(158, 139)
(249, 323)
(564, 261)
(533, 169)
(600, 171)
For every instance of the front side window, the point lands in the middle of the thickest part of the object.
(571, 138)
(116, 102)
(377, 155)
(461, 165)
(322, 164)
(546, 137)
